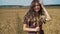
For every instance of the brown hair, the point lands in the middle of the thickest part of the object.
(41, 12)
(32, 14)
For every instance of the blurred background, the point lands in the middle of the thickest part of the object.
(12, 13)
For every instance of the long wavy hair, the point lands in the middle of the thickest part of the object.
(31, 10)
(40, 12)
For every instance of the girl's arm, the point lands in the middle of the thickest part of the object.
(25, 28)
(45, 11)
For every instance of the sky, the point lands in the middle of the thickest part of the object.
(27, 2)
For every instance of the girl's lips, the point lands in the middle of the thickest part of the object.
(36, 8)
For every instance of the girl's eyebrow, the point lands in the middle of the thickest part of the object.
(36, 5)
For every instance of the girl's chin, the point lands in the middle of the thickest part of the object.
(36, 11)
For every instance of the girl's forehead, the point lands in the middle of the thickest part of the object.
(36, 3)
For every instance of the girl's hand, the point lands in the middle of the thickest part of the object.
(37, 28)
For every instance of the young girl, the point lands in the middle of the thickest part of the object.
(34, 18)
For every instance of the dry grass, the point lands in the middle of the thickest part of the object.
(11, 21)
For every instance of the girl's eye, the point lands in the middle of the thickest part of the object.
(36, 5)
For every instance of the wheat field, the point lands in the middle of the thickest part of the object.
(11, 21)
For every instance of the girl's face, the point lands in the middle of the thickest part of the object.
(36, 7)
